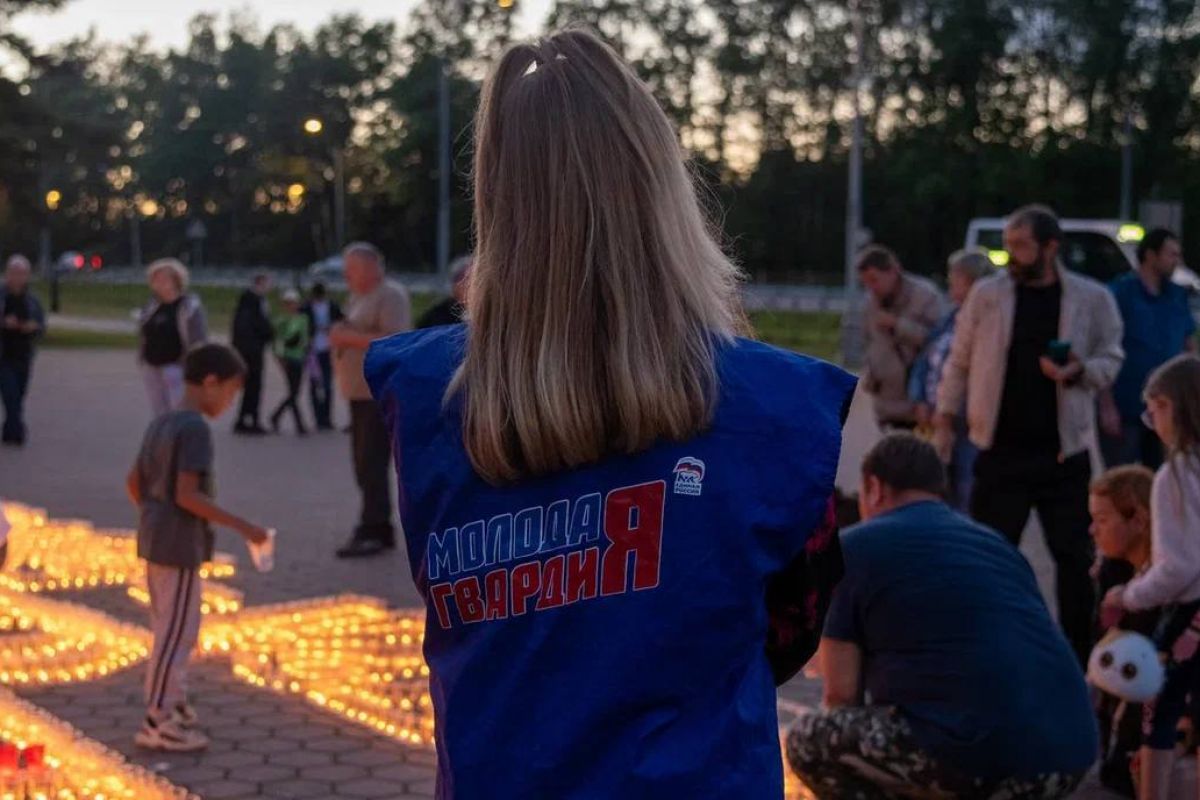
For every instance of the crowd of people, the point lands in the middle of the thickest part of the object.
(619, 509)
(1032, 373)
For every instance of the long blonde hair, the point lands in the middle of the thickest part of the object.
(598, 290)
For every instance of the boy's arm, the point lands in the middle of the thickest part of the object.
(192, 499)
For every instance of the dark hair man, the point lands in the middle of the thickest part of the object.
(939, 621)
(1032, 346)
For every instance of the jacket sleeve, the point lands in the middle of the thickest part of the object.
(1103, 362)
(262, 324)
(39, 316)
(952, 390)
(1175, 568)
(798, 600)
(913, 328)
(197, 325)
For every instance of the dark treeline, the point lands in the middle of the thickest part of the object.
(971, 108)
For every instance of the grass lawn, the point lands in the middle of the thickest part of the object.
(816, 334)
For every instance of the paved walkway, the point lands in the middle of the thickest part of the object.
(86, 415)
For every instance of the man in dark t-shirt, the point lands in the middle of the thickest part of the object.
(21, 324)
(942, 665)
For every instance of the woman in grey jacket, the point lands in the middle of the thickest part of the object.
(171, 323)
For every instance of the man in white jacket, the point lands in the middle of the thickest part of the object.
(1031, 349)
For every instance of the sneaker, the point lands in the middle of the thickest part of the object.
(185, 715)
(168, 735)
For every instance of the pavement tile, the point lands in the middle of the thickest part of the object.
(263, 773)
(191, 776)
(222, 789)
(301, 759)
(236, 759)
(332, 744)
(401, 773)
(374, 757)
(334, 772)
(421, 788)
(268, 746)
(298, 789)
(370, 787)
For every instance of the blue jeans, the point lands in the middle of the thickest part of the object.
(1137, 444)
(14, 381)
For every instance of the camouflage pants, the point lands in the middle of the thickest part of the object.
(868, 753)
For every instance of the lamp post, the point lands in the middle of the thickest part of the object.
(313, 126)
(53, 199)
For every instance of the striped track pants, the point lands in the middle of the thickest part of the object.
(175, 622)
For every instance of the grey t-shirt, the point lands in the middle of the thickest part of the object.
(178, 441)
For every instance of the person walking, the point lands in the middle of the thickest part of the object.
(323, 313)
(22, 323)
(252, 332)
(901, 311)
(964, 268)
(600, 482)
(1158, 326)
(450, 310)
(942, 666)
(377, 308)
(1032, 346)
(291, 348)
(170, 324)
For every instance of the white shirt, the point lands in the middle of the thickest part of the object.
(1174, 573)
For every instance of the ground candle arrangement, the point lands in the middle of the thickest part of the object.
(348, 654)
(44, 758)
(47, 555)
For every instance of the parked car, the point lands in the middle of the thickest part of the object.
(327, 269)
(74, 261)
(1099, 248)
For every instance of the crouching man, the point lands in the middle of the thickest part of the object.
(944, 674)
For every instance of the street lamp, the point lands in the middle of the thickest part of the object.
(313, 127)
(53, 201)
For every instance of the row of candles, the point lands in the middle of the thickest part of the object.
(350, 654)
(44, 758)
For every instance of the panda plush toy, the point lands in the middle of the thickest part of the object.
(1126, 665)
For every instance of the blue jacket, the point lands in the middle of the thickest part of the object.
(602, 632)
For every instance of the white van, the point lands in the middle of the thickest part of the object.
(1099, 248)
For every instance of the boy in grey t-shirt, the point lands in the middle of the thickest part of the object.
(171, 485)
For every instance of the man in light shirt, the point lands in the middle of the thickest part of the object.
(377, 308)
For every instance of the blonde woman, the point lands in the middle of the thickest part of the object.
(617, 511)
(170, 324)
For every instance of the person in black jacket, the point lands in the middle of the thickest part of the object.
(22, 323)
(323, 313)
(450, 310)
(252, 332)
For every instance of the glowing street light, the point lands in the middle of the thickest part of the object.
(148, 207)
(313, 126)
(295, 192)
(53, 199)
(506, 3)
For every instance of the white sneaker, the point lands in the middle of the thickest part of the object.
(185, 715)
(170, 736)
